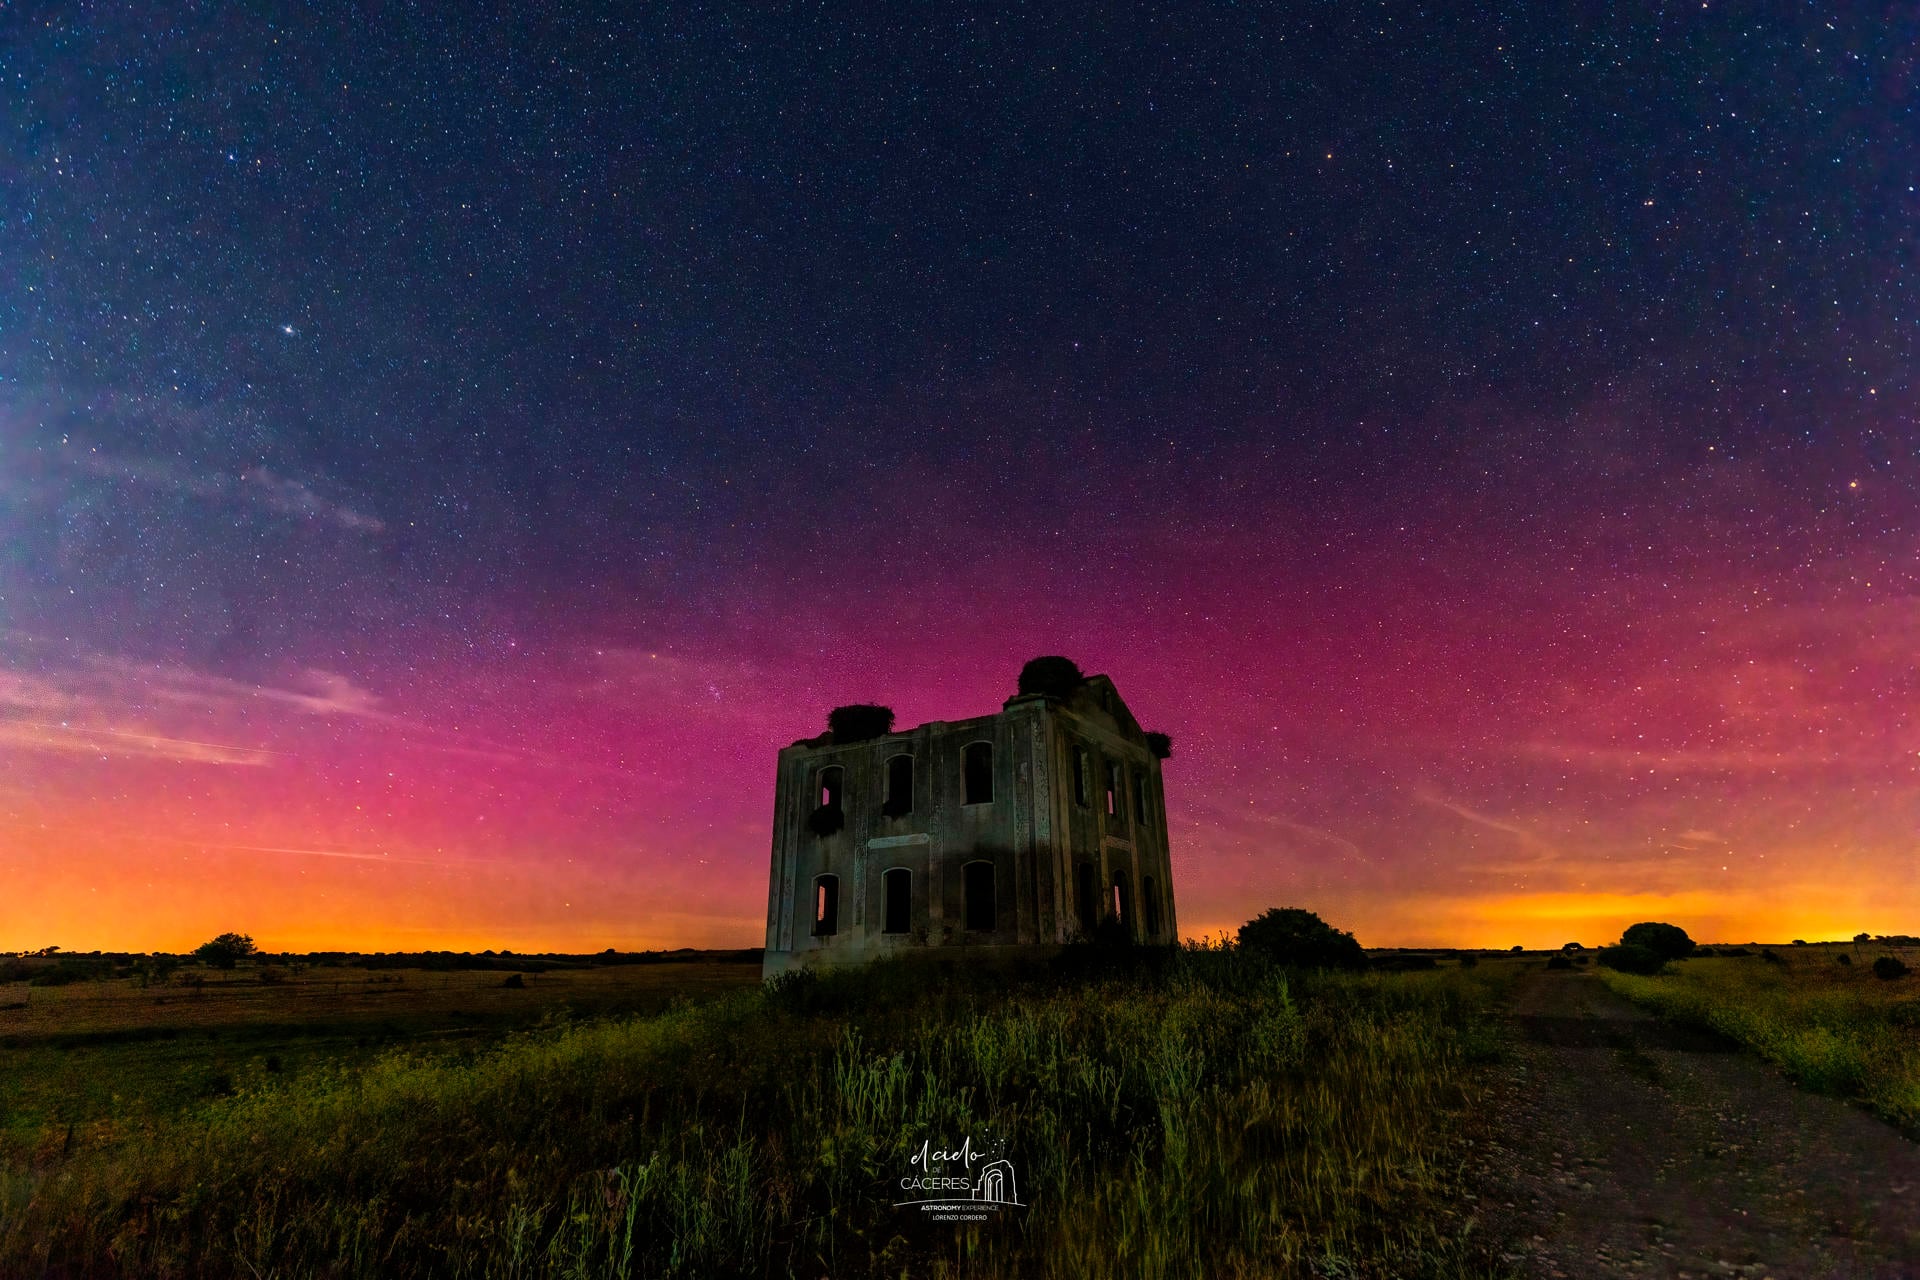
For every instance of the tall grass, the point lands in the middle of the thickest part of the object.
(1834, 1029)
(1214, 1117)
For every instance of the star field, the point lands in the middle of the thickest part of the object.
(444, 456)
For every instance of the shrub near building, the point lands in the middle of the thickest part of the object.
(1668, 941)
(1302, 939)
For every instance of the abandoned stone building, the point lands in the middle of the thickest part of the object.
(1013, 832)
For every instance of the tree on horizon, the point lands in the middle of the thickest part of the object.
(226, 950)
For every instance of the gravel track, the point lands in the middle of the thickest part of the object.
(1624, 1146)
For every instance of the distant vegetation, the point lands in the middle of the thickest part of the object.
(1668, 941)
(1628, 958)
(1645, 948)
(226, 950)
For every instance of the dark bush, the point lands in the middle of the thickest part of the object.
(66, 971)
(1630, 957)
(1843, 958)
(859, 721)
(1559, 962)
(1052, 676)
(1863, 937)
(1402, 964)
(1735, 951)
(1771, 956)
(1469, 961)
(1579, 959)
(513, 982)
(1291, 936)
(1799, 942)
(826, 820)
(1160, 744)
(1571, 946)
(226, 950)
(1516, 948)
(1702, 953)
(1668, 941)
(1888, 968)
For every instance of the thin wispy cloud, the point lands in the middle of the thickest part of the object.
(93, 740)
(1541, 850)
(350, 854)
(1682, 760)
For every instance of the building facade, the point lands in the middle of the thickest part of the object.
(1016, 831)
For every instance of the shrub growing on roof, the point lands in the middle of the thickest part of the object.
(1160, 744)
(1052, 676)
(859, 721)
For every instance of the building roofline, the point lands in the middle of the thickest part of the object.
(823, 741)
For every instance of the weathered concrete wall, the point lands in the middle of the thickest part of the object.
(1034, 832)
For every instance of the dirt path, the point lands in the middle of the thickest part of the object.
(1626, 1147)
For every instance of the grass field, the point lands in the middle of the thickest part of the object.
(85, 1061)
(1832, 1027)
(1207, 1116)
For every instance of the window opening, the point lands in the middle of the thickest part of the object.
(897, 917)
(899, 798)
(978, 878)
(826, 905)
(977, 766)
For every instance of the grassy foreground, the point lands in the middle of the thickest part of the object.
(86, 1063)
(1833, 1028)
(1210, 1116)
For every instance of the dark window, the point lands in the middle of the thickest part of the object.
(898, 916)
(1150, 901)
(1140, 806)
(899, 799)
(977, 766)
(1082, 766)
(829, 817)
(979, 888)
(826, 905)
(1113, 790)
(1086, 897)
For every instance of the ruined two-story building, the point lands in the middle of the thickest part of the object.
(1017, 831)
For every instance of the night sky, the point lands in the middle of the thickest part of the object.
(444, 457)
